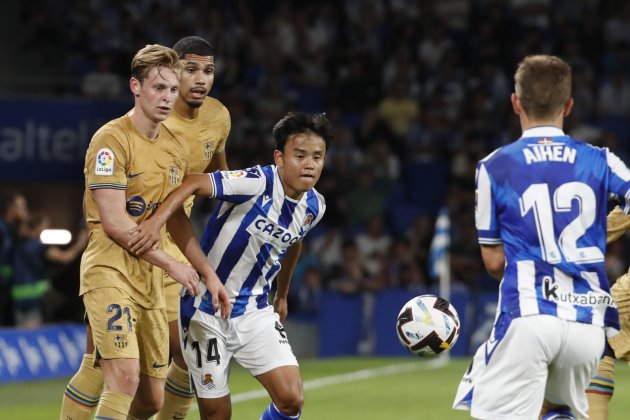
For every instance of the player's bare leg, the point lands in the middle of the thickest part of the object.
(284, 385)
(215, 408)
(178, 395)
(121, 382)
(148, 399)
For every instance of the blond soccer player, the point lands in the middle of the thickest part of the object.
(132, 164)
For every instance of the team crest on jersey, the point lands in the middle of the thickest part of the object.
(174, 177)
(234, 174)
(308, 220)
(120, 341)
(207, 151)
(206, 381)
(104, 162)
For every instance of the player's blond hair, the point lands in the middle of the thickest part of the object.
(543, 85)
(151, 56)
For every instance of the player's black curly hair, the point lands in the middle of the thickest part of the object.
(299, 123)
(193, 45)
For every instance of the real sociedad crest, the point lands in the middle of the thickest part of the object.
(307, 224)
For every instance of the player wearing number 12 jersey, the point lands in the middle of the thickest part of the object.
(541, 222)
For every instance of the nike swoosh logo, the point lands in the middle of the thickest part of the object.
(156, 366)
(134, 175)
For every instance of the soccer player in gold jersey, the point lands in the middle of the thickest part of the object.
(602, 385)
(132, 164)
(204, 123)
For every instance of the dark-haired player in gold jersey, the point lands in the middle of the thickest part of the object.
(204, 123)
(132, 164)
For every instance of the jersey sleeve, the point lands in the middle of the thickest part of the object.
(105, 162)
(225, 132)
(617, 224)
(237, 186)
(488, 232)
(619, 180)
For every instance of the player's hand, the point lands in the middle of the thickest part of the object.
(220, 299)
(144, 237)
(185, 275)
(281, 307)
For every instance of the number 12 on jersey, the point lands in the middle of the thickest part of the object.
(538, 199)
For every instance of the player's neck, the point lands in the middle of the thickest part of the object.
(144, 125)
(527, 123)
(185, 111)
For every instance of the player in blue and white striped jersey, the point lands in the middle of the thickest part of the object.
(264, 214)
(541, 222)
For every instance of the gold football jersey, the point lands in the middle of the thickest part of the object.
(119, 157)
(618, 223)
(206, 135)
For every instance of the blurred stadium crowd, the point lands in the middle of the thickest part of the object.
(418, 91)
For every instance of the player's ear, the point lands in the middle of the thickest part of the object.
(567, 108)
(516, 104)
(278, 158)
(134, 85)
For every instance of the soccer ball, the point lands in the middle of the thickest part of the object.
(427, 325)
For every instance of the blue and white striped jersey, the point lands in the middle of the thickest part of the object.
(249, 232)
(544, 197)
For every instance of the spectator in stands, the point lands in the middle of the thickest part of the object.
(13, 212)
(102, 82)
(403, 270)
(309, 293)
(614, 95)
(373, 245)
(31, 280)
(349, 277)
(327, 247)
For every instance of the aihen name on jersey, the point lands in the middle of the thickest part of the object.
(268, 231)
(549, 152)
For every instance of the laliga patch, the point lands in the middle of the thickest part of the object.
(234, 174)
(104, 162)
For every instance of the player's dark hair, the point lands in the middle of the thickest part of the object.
(300, 123)
(543, 85)
(193, 45)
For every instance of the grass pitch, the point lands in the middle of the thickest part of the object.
(335, 389)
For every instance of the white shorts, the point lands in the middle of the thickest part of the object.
(257, 341)
(527, 360)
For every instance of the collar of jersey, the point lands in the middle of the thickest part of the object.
(545, 131)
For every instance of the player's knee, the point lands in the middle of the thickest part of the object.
(151, 403)
(291, 402)
(213, 409)
(125, 381)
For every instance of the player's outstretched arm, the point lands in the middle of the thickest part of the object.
(283, 281)
(117, 225)
(146, 236)
(183, 235)
(494, 259)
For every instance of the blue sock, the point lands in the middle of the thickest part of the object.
(272, 413)
(559, 414)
